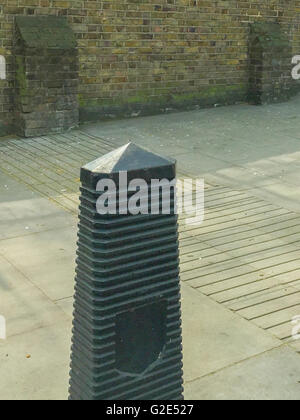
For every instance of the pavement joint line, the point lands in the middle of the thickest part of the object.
(243, 202)
(243, 231)
(228, 207)
(30, 175)
(248, 217)
(27, 278)
(237, 276)
(266, 233)
(244, 263)
(55, 166)
(234, 226)
(227, 213)
(268, 313)
(254, 282)
(36, 147)
(43, 195)
(296, 292)
(288, 321)
(64, 298)
(232, 214)
(287, 284)
(281, 345)
(60, 156)
(91, 144)
(252, 245)
(78, 149)
(37, 232)
(108, 143)
(220, 191)
(41, 327)
(232, 258)
(231, 202)
(88, 152)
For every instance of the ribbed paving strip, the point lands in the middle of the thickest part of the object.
(246, 255)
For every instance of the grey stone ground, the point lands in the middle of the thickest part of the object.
(240, 270)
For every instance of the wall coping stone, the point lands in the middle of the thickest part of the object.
(51, 32)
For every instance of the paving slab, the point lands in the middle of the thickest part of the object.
(35, 365)
(274, 375)
(24, 306)
(23, 211)
(214, 337)
(47, 259)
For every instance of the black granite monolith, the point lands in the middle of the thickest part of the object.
(127, 342)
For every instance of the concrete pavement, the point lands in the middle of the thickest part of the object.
(240, 269)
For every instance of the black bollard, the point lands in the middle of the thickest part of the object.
(127, 342)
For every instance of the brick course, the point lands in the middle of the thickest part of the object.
(150, 55)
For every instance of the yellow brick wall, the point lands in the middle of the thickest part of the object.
(154, 51)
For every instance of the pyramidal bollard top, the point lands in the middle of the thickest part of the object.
(137, 161)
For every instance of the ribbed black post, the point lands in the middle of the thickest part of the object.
(127, 340)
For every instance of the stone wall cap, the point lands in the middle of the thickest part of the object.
(269, 35)
(46, 32)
